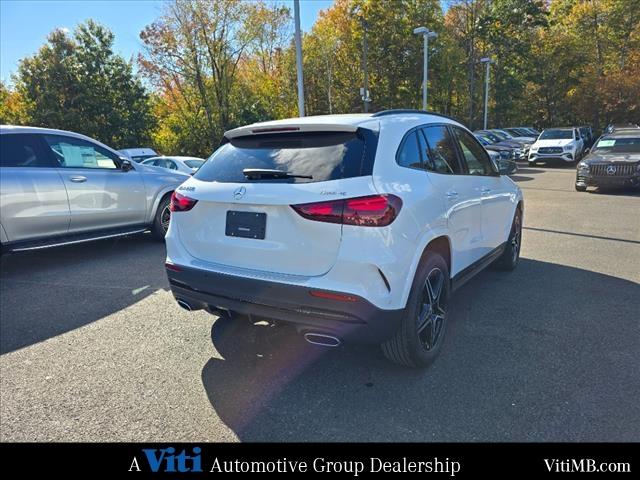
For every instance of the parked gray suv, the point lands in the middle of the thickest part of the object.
(59, 187)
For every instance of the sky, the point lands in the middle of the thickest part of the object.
(25, 24)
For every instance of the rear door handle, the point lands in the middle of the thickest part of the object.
(452, 195)
(78, 179)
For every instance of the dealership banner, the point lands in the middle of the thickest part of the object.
(466, 460)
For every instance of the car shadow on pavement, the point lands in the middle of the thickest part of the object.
(48, 292)
(520, 178)
(544, 353)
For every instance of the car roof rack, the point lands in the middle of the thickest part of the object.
(398, 111)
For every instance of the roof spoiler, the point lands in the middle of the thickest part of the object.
(265, 129)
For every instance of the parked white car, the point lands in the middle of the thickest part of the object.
(351, 227)
(188, 165)
(138, 154)
(564, 144)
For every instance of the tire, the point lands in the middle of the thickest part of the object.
(160, 224)
(581, 188)
(511, 255)
(422, 329)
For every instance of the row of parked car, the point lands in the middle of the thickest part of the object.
(528, 144)
(148, 156)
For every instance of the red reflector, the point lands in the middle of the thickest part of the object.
(369, 211)
(341, 297)
(275, 129)
(173, 267)
(181, 203)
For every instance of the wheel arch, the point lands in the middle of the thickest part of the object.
(436, 242)
(161, 195)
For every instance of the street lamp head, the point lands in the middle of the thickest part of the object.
(420, 30)
(432, 34)
(486, 60)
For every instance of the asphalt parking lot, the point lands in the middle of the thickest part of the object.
(94, 348)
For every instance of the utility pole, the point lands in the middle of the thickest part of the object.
(426, 35)
(487, 61)
(298, 40)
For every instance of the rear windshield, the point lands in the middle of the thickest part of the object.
(619, 145)
(556, 135)
(321, 155)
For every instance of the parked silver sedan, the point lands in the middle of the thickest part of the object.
(59, 187)
(188, 165)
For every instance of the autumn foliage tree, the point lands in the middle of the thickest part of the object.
(77, 83)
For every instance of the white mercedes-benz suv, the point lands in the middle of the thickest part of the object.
(564, 144)
(352, 227)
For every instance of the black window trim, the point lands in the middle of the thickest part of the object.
(422, 159)
(401, 146)
(461, 159)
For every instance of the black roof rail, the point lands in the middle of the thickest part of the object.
(396, 111)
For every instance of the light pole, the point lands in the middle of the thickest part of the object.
(426, 35)
(296, 14)
(487, 61)
(365, 91)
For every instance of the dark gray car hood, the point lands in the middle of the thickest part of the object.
(613, 157)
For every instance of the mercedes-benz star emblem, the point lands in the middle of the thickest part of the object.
(239, 193)
(611, 169)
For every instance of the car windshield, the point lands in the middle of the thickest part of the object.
(501, 135)
(482, 140)
(556, 135)
(619, 145)
(193, 163)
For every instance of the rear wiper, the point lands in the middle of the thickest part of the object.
(258, 173)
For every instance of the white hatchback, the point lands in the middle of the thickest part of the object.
(352, 227)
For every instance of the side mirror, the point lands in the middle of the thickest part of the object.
(126, 165)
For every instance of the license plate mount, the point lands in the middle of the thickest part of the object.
(246, 224)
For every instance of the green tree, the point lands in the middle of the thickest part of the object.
(216, 65)
(77, 83)
(13, 110)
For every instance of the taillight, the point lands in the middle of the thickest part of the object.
(369, 211)
(181, 203)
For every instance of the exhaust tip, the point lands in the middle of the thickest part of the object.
(184, 305)
(322, 339)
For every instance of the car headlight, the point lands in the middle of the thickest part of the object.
(583, 166)
(534, 148)
(568, 148)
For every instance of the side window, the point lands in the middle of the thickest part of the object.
(442, 151)
(172, 165)
(409, 155)
(22, 150)
(477, 160)
(76, 153)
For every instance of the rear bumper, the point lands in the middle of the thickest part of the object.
(356, 320)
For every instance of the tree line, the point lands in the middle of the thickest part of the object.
(208, 66)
